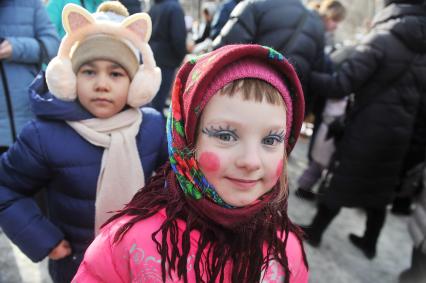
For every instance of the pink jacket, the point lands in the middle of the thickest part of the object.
(135, 257)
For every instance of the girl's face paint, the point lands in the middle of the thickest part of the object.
(209, 162)
(240, 149)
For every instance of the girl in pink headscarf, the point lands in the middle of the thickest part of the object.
(217, 212)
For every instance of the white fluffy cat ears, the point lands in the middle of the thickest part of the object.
(134, 30)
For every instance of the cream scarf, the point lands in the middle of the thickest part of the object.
(121, 174)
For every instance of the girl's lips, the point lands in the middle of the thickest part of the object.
(243, 183)
(101, 100)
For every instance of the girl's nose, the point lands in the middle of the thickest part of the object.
(102, 83)
(249, 158)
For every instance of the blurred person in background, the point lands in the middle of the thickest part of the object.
(221, 16)
(410, 184)
(416, 273)
(204, 27)
(387, 74)
(285, 25)
(200, 41)
(168, 42)
(133, 6)
(325, 111)
(27, 39)
(332, 13)
(55, 7)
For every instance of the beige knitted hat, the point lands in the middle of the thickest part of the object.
(105, 47)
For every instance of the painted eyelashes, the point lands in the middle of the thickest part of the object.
(224, 134)
(228, 134)
(279, 136)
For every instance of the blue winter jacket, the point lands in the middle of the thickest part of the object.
(26, 26)
(50, 155)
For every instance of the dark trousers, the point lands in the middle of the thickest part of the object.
(167, 77)
(375, 221)
(64, 270)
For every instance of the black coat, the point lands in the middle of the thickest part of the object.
(387, 73)
(168, 40)
(272, 23)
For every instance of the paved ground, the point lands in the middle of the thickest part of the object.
(335, 261)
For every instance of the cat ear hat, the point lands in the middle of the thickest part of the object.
(107, 35)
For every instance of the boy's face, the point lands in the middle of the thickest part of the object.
(331, 24)
(102, 88)
(240, 147)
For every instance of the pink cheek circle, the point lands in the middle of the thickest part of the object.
(279, 170)
(209, 162)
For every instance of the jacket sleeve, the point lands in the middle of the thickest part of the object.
(219, 19)
(178, 32)
(353, 73)
(23, 172)
(40, 48)
(240, 28)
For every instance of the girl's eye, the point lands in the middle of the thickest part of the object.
(272, 140)
(225, 137)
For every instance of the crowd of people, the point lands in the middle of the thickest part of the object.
(134, 190)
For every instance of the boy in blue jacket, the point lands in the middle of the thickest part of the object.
(91, 146)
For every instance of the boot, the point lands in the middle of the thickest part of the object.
(375, 221)
(360, 243)
(323, 218)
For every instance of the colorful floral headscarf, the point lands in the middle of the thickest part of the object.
(193, 89)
